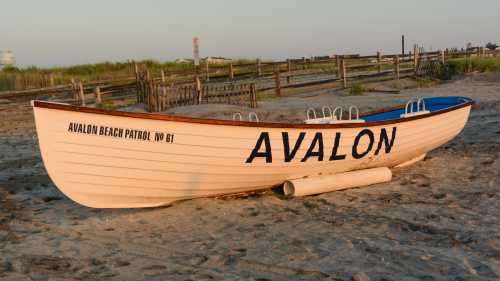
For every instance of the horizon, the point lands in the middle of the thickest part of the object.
(56, 33)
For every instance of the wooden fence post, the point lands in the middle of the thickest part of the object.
(304, 61)
(138, 88)
(415, 56)
(337, 64)
(379, 61)
(231, 71)
(277, 80)
(289, 70)
(51, 78)
(199, 92)
(259, 67)
(97, 93)
(443, 57)
(253, 96)
(162, 74)
(344, 73)
(396, 68)
(163, 91)
(340, 70)
(82, 93)
(23, 82)
(74, 89)
(151, 91)
(207, 70)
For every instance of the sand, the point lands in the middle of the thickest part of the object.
(437, 220)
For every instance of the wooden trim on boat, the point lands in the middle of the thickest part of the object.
(164, 117)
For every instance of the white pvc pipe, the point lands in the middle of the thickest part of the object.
(322, 184)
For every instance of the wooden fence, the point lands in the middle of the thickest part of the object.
(27, 81)
(212, 81)
(160, 95)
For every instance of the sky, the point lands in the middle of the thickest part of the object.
(64, 32)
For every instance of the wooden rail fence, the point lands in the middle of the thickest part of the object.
(174, 88)
(159, 95)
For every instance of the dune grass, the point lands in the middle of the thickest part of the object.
(104, 70)
(463, 65)
(92, 71)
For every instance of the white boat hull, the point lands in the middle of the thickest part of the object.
(99, 161)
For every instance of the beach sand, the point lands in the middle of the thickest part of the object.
(437, 220)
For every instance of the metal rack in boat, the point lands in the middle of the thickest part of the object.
(418, 104)
(333, 116)
(252, 117)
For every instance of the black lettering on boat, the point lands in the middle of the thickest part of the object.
(170, 138)
(385, 139)
(355, 152)
(82, 128)
(317, 141)
(117, 132)
(336, 144)
(159, 136)
(264, 138)
(289, 155)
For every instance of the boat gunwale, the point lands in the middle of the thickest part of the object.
(185, 119)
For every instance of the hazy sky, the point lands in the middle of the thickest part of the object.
(63, 32)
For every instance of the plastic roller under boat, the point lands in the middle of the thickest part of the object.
(323, 184)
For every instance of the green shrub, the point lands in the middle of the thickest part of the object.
(106, 105)
(357, 89)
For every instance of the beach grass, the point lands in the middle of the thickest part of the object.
(104, 70)
(109, 105)
(463, 65)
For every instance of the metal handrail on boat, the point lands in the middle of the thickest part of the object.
(252, 117)
(236, 115)
(325, 109)
(420, 102)
(253, 114)
(309, 110)
(350, 112)
(340, 110)
(409, 105)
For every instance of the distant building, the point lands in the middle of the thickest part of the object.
(217, 60)
(7, 59)
(183, 61)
